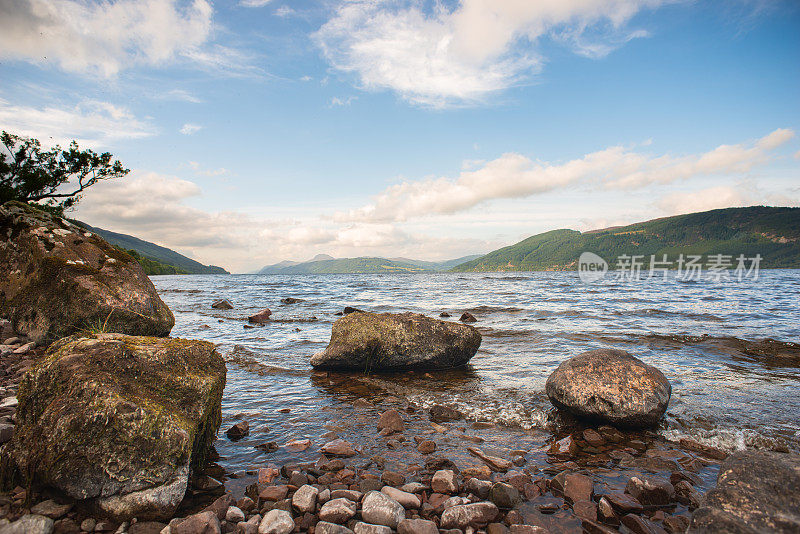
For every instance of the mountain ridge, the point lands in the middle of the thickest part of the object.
(773, 232)
(361, 265)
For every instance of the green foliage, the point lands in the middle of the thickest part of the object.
(151, 266)
(772, 232)
(154, 252)
(55, 179)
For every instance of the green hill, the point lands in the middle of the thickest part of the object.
(161, 258)
(772, 232)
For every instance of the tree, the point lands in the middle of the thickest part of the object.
(56, 178)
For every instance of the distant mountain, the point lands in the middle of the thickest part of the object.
(162, 258)
(324, 264)
(772, 232)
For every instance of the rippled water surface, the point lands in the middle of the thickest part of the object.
(726, 392)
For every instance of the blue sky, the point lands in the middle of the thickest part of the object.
(266, 130)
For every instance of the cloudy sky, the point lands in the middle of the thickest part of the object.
(263, 130)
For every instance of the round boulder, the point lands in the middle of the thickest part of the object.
(388, 341)
(610, 386)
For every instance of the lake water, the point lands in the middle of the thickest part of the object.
(726, 393)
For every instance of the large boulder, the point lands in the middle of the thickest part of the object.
(385, 341)
(610, 386)
(58, 279)
(757, 492)
(119, 420)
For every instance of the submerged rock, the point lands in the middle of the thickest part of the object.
(119, 420)
(467, 317)
(757, 491)
(58, 279)
(260, 317)
(386, 341)
(222, 304)
(610, 386)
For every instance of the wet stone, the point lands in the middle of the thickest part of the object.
(337, 510)
(444, 481)
(417, 526)
(476, 514)
(578, 487)
(624, 503)
(651, 490)
(585, 510)
(391, 421)
(504, 495)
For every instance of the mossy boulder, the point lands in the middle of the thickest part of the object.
(389, 341)
(58, 280)
(119, 420)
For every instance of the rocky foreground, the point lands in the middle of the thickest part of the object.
(114, 432)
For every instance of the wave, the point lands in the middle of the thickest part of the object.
(495, 309)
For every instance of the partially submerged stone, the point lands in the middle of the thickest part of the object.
(388, 341)
(610, 386)
(757, 491)
(119, 420)
(58, 280)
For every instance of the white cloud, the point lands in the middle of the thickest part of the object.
(342, 102)
(285, 11)
(724, 196)
(189, 128)
(181, 95)
(516, 176)
(254, 3)
(461, 55)
(91, 123)
(102, 37)
(199, 170)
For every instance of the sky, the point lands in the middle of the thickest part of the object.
(263, 130)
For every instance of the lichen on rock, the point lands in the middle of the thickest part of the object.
(59, 280)
(119, 420)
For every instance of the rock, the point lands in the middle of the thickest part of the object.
(305, 499)
(339, 447)
(593, 438)
(51, 509)
(426, 446)
(88, 524)
(443, 414)
(202, 523)
(146, 527)
(234, 515)
(248, 527)
(387, 341)
(467, 317)
(274, 493)
(222, 304)
(276, 522)
(417, 526)
(393, 478)
(29, 524)
(238, 431)
(611, 386)
(686, 494)
(640, 525)
(479, 488)
(504, 495)
(366, 528)
(527, 529)
(585, 510)
(55, 280)
(380, 509)
(408, 500)
(676, 524)
(578, 487)
(337, 511)
(323, 527)
(623, 503)
(391, 421)
(650, 490)
(497, 464)
(475, 515)
(444, 315)
(444, 481)
(297, 445)
(291, 300)
(351, 495)
(261, 317)
(6, 432)
(757, 491)
(119, 420)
